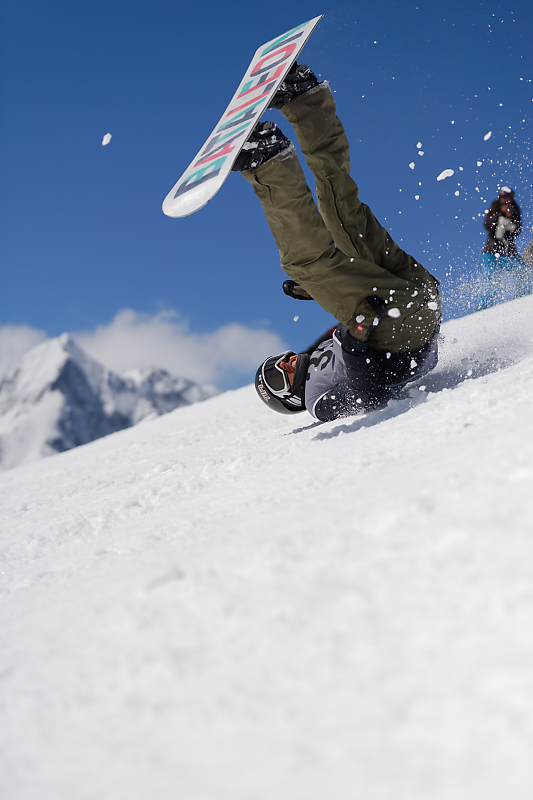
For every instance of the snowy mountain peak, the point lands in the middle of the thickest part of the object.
(57, 398)
(40, 365)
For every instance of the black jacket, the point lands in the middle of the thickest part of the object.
(347, 377)
(505, 245)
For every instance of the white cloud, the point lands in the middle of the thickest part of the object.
(226, 357)
(133, 339)
(164, 340)
(15, 340)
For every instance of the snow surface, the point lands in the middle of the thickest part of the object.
(223, 603)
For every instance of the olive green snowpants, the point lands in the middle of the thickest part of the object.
(339, 253)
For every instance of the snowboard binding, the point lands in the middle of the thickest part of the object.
(298, 80)
(266, 141)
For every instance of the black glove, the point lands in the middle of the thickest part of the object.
(295, 290)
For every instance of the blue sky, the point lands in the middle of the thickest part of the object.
(83, 236)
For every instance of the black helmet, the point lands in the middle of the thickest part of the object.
(273, 387)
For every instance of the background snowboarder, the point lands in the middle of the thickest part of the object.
(339, 255)
(503, 223)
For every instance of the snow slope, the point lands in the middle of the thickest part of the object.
(223, 603)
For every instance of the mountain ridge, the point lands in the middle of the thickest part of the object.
(57, 398)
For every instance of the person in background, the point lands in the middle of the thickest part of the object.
(500, 257)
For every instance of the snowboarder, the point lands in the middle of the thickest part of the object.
(339, 255)
(503, 223)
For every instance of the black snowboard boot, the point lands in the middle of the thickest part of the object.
(265, 141)
(299, 79)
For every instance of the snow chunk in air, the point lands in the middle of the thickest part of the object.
(107, 138)
(446, 173)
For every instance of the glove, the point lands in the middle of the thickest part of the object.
(366, 318)
(295, 290)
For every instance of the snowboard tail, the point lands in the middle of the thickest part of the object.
(209, 169)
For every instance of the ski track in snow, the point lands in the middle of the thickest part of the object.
(227, 603)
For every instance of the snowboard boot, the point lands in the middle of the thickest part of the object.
(265, 141)
(298, 80)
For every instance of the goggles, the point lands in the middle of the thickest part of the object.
(274, 377)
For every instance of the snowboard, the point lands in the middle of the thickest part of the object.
(209, 169)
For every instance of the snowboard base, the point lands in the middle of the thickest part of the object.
(209, 169)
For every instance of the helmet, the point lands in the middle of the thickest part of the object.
(273, 387)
